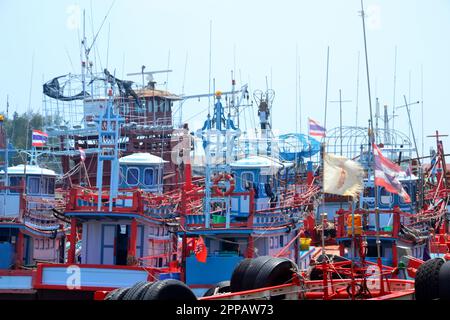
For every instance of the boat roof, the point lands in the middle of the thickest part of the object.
(142, 158)
(30, 169)
(258, 162)
(150, 93)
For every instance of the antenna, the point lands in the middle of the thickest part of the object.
(340, 101)
(421, 98)
(168, 66)
(326, 87)
(410, 123)
(357, 93)
(209, 82)
(296, 87)
(395, 83)
(149, 73)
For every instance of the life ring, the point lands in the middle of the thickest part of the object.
(225, 177)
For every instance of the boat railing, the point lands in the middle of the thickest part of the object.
(128, 200)
(396, 216)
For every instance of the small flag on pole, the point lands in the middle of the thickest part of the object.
(82, 154)
(386, 174)
(315, 129)
(342, 176)
(200, 250)
(39, 138)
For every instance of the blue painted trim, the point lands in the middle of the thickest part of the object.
(12, 225)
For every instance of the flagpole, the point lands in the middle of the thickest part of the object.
(372, 141)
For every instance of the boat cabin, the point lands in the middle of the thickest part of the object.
(143, 171)
(29, 232)
(131, 233)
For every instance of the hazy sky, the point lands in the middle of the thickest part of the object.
(258, 37)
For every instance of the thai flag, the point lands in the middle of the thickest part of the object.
(315, 129)
(39, 138)
(386, 174)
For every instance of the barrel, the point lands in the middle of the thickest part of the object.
(358, 224)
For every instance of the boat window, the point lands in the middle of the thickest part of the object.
(156, 176)
(51, 186)
(150, 105)
(247, 180)
(148, 176)
(15, 182)
(281, 241)
(44, 183)
(33, 185)
(385, 196)
(271, 242)
(132, 176)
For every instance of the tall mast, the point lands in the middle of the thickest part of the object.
(372, 140)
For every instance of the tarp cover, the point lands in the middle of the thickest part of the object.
(54, 90)
(297, 145)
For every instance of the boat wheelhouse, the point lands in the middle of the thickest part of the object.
(29, 231)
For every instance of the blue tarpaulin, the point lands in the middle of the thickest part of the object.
(294, 146)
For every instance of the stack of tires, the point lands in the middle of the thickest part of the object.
(262, 272)
(433, 280)
(169, 289)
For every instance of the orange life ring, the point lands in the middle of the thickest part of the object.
(226, 177)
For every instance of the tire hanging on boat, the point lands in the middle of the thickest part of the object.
(426, 282)
(169, 289)
(222, 287)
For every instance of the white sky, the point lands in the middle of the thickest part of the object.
(262, 34)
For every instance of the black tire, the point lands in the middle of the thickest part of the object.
(238, 275)
(112, 294)
(136, 290)
(330, 258)
(169, 289)
(444, 281)
(252, 272)
(426, 283)
(223, 286)
(275, 271)
(316, 274)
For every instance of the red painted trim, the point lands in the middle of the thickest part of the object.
(14, 273)
(19, 249)
(133, 237)
(81, 266)
(63, 287)
(73, 240)
(394, 295)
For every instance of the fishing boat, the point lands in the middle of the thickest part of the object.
(30, 233)
(242, 210)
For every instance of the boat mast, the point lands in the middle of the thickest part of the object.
(372, 141)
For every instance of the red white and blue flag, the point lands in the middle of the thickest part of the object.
(39, 138)
(387, 173)
(315, 129)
